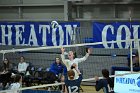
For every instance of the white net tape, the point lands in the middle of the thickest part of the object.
(74, 45)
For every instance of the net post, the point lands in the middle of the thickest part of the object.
(131, 63)
(138, 41)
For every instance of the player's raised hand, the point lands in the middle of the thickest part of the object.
(62, 50)
(89, 50)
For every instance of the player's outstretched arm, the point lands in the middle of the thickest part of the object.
(85, 57)
(63, 56)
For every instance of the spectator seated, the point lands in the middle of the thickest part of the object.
(135, 60)
(29, 76)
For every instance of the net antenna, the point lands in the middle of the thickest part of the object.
(130, 19)
(73, 36)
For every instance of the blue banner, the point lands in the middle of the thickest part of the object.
(37, 33)
(103, 32)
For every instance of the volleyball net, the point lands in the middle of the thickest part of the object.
(99, 59)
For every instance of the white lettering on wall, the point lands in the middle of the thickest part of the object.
(32, 37)
(61, 34)
(70, 31)
(104, 35)
(3, 34)
(54, 36)
(135, 34)
(19, 31)
(8, 35)
(119, 36)
(43, 30)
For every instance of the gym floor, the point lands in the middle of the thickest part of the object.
(90, 89)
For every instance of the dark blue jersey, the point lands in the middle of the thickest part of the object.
(104, 84)
(73, 85)
(56, 68)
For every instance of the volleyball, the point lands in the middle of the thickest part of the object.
(54, 24)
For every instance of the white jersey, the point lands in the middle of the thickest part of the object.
(22, 67)
(13, 87)
(69, 63)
